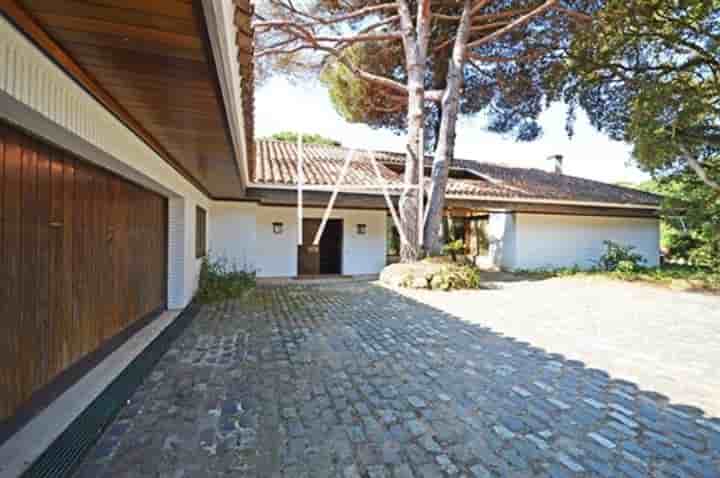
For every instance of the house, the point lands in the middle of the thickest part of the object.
(512, 218)
(127, 153)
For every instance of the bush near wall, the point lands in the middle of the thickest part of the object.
(221, 280)
(620, 262)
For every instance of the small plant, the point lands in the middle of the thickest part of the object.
(456, 277)
(626, 267)
(407, 280)
(454, 249)
(222, 280)
(615, 254)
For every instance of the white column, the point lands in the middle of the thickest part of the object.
(176, 254)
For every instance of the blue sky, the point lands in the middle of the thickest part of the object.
(281, 105)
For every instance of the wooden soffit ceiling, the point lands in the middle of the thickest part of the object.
(150, 63)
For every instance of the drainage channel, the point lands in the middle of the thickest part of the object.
(64, 455)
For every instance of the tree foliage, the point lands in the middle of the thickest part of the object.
(308, 138)
(691, 218)
(648, 72)
(507, 80)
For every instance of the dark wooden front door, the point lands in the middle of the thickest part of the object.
(331, 248)
(326, 258)
(82, 257)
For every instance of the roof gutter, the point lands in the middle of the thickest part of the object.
(222, 32)
(563, 202)
(365, 190)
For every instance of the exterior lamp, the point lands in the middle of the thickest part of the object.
(362, 229)
(277, 227)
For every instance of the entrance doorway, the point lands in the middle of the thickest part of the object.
(326, 258)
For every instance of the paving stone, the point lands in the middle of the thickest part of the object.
(402, 471)
(429, 443)
(359, 381)
(594, 403)
(356, 434)
(521, 391)
(376, 471)
(569, 463)
(623, 419)
(538, 442)
(559, 404)
(417, 402)
(602, 441)
(479, 471)
(504, 433)
(351, 472)
(621, 409)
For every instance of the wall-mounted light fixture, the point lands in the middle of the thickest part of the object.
(362, 229)
(277, 227)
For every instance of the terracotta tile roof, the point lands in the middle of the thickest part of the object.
(276, 164)
(244, 40)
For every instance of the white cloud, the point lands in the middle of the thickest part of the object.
(282, 106)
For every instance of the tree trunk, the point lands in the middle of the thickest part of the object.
(446, 141)
(410, 251)
(415, 42)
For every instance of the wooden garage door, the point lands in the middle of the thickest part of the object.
(83, 256)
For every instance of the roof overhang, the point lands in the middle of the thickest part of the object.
(395, 191)
(223, 33)
(169, 71)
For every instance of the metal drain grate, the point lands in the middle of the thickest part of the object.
(66, 452)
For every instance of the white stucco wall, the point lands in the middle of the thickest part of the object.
(501, 236)
(35, 94)
(234, 233)
(547, 241)
(242, 232)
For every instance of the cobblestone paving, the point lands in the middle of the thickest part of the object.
(357, 381)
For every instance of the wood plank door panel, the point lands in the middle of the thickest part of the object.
(309, 255)
(83, 257)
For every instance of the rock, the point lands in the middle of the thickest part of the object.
(415, 275)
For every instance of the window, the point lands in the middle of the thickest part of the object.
(200, 232)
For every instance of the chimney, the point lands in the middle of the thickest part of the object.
(558, 163)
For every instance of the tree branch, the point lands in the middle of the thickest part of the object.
(477, 7)
(360, 38)
(361, 13)
(516, 23)
(502, 59)
(329, 21)
(574, 14)
(700, 171)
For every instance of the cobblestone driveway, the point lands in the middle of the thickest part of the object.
(358, 381)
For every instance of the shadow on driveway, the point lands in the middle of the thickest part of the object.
(358, 381)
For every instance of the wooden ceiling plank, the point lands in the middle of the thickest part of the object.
(122, 43)
(27, 24)
(170, 8)
(124, 16)
(140, 33)
(163, 68)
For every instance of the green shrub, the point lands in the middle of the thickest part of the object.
(617, 253)
(222, 280)
(456, 277)
(626, 267)
(454, 249)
